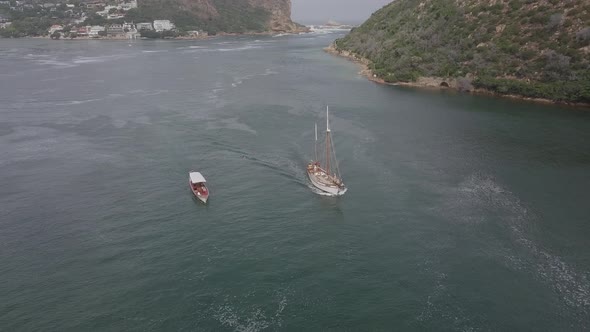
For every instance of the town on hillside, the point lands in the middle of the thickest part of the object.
(99, 19)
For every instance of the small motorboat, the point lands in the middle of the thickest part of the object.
(198, 187)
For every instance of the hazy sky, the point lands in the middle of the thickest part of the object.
(317, 11)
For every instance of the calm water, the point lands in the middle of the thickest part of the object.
(464, 213)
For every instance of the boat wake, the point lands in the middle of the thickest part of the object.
(291, 168)
(252, 318)
(477, 195)
(237, 49)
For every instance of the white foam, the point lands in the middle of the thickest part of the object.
(154, 93)
(56, 78)
(33, 56)
(237, 49)
(252, 320)
(479, 193)
(55, 63)
(269, 71)
(233, 124)
(99, 59)
(319, 192)
(241, 79)
(77, 102)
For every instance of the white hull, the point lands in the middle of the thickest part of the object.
(202, 199)
(333, 190)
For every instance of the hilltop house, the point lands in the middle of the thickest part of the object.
(55, 28)
(115, 16)
(163, 25)
(95, 4)
(128, 5)
(105, 11)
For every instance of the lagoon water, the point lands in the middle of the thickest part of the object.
(464, 213)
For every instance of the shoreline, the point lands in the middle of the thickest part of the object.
(435, 83)
(122, 38)
(220, 34)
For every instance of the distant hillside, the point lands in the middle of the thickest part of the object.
(537, 49)
(21, 18)
(233, 16)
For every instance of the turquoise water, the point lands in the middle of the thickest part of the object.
(464, 213)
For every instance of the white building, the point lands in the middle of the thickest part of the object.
(80, 20)
(115, 16)
(144, 26)
(94, 30)
(163, 25)
(54, 28)
(128, 26)
(128, 5)
(105, 12)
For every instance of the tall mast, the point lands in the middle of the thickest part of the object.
(328, 140)
(315, 147)
(328, 118)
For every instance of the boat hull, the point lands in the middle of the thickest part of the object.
(321, 185)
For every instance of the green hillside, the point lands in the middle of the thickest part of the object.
(538, 49)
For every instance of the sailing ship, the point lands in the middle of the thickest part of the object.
(323, 176)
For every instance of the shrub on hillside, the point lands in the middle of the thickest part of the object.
(583, 36)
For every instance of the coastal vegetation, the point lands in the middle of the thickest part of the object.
(536, 49)
(151, 34)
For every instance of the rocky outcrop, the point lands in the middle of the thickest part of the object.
(202, 8)
(280, 15)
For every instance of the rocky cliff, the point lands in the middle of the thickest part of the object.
(280, 14)
(530, 48)
(231, 16)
